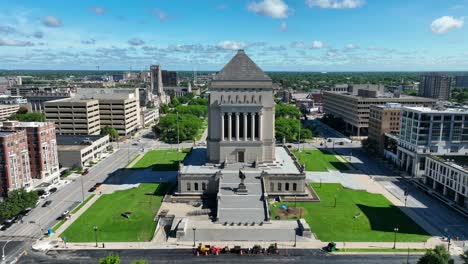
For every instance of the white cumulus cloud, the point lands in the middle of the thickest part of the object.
(317, 44)
(51, 21)
(271, 8)
(15, 43)
(445, 24)
(230, 45)
(298, 45)
(335, 4)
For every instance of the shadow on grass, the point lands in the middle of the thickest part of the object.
(387, 218)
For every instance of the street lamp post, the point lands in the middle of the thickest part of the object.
(395, 230)
(194, 230)
(82, 189)
(3, 249)
(95, 228)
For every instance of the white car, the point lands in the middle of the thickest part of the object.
(45, 195)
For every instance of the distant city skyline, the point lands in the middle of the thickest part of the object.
(280, 35)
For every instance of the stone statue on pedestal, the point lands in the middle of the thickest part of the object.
(242, 189)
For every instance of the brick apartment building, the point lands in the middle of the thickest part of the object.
(15, 170)
(41, 147)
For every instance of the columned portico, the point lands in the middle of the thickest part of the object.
(252, 126)
(244, 116)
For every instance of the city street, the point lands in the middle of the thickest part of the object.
(70, 195)
(186, 256)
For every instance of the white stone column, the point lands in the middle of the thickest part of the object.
(260, 126)
(229, 126)
(222, 126)
(252, 121)
(245, 115)
(237, 126)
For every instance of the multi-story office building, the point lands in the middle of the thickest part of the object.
(435, 86)
(383, 119)
(15, 170)
(78, 150)
(6, 110)
(74, 116)
(169, 78)
(461, 81)
(118, 108)
(148, 116)
(338, 88)
(425, 131)
(354, 109)
(156, 86)
(42, 148)
(448, 176)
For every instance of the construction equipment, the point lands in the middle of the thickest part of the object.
(273, 249)
(202, 249)
(215, 250)
(257, 250)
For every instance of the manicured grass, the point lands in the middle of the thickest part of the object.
(319, 160)
(411, 250)
(358, 216)
(81, 204)
(161, 160)
(133, 159)
(106, 213)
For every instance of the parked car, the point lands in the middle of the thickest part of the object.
(47, 203)
(98, 184)
(53, 189)
(26, 211)
(85, 172)
(92, 189)
(45, 195)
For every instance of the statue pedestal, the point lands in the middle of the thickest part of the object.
(242, 189)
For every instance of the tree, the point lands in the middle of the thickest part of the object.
(188, 127)
(198, 101)
(112, 132)
(439, 255)
(196, 110)
(16, 202)
(110, 259)
(287, 128)
(175, 102)
(23, 110)
(28, 117)
(287, 111)
(165, 108)
(305, 134)
(370, 146)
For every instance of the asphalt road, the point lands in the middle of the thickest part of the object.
(11, 248)
(186, 256)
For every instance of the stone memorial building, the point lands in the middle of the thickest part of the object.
(241, 164)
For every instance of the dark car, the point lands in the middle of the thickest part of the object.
(47, 203)
(53, 189)
(98, 184)
(92, 189)
(26, 211)
(85, 172)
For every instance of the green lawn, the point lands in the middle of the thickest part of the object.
(106, 213)
(377, 217)
(389, 250)
(133, 159)
(319, 160)
(161, 160)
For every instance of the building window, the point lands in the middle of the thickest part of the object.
(203, 186)
(286, 186)
(195, 186)
(294, 186)
(279, 186)
(272, 187)
(188, 187)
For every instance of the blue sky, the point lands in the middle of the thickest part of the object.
(292, 35)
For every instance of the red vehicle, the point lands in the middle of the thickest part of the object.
(98, 184)
(85, 172)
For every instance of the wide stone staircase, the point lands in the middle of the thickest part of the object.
(236, 208)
